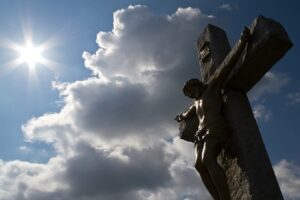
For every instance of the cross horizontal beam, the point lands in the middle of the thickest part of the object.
(269, 43)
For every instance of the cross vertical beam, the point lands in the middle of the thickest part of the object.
(249, 171)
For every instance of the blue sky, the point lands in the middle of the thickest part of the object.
(68, 108)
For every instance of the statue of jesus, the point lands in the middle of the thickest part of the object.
(213, 130)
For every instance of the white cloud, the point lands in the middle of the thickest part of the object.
(293, 98)
(261, 113)
(226, 7)
(272, 82)
(24, 148)
(146, 44)
(21, 180)
(288, 175)
(114, 135)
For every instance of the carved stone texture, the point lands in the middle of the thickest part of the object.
(214, 39)
(246, 163)
(269, 44)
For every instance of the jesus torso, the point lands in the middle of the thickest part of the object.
(208, 108)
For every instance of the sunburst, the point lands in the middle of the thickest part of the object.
(30, 54)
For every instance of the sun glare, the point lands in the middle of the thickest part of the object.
(30, 54)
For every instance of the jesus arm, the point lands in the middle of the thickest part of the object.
(228, 63)
(191, 111)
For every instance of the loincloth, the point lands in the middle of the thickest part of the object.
(217, 131)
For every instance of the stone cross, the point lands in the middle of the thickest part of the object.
(249, 172)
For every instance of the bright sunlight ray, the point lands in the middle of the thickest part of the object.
(30, 54)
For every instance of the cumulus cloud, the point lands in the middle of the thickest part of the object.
(288, 175)
(147, 44)
(115, 136)
(25, 180)
(99, 173)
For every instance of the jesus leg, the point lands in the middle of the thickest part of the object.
(209, 159)
(206, 179)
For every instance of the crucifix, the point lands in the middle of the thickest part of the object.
(230, 155)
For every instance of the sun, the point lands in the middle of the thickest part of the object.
(30, 54)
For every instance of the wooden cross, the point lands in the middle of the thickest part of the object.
(249, 172)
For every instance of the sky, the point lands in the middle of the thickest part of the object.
(94, 117)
